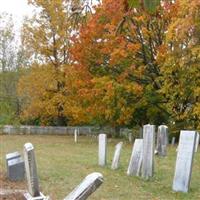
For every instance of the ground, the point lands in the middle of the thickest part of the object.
(62, 165)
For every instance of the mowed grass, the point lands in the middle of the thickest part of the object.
(62, 165)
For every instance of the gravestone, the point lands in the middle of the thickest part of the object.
(102, 149)
(86, 188)
(148, 151)
(116, 157)
(16, 169)
(135, 162)
(184, 160)
(197, 142)
(31, 174)
(162, 140)
(130, 137)
(173, 141)
(75, 135)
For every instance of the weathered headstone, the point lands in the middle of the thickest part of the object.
(102, 149)
(162, 140)
(173, 141)
(86, 188)
(148, 151)
(16, 169)
(197, 142)
(75, 135)
(135, 162)
(184, 160)
(116, 157)
(130, 137)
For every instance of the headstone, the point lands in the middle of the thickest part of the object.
(86, 188)
(173, 141)
(197, 142)
(184, 160)
(135, 162)
(102, 149)
(148, 151)
(16, 169)
(162, 140)
(116, 157)
(75, 135)
(130, 137)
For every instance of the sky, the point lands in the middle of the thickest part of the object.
(18, 8)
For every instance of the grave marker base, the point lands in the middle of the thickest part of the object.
(41, 197)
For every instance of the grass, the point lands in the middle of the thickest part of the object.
(62, 165)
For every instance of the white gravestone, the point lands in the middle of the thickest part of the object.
(75, 135)
(86, 188)
(173, 141)
(102, 149)
(116, 157)
(31, 174)
(148, 151)
(162, 140)
(197, 142)
(184, 160)
(135, 162)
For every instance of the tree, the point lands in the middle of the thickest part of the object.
(180, 69)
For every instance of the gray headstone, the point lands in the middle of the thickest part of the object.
(135, 162)
(16, 169)
(86, 188)
(184, 160)
(116, 157)
(102, 149)
(197, 142)
(162, 140)
(130, 138)
(31, 170)
(173, 141)
(148, 151)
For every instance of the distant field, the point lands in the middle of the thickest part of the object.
(62, 165)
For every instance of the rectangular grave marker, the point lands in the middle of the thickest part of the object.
(102, 149)
(173, 141)
(184, 161)
(197, 142)
(135, 162)
(116, 157)
(86, 188)
(75, 135)
(148, 151)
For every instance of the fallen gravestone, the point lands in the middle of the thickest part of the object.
(197, 142)
(102, 149)
(148, 151)
(116, 157)
(135, 162)
(15, 169)
(86, 188)
(162, 140)
(31, 174)
(184, 160)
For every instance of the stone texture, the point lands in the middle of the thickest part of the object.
(148, 151)
(197, 142)
(86, 188)
(162, 140)
(31, 170)
(184, 160)
(102, 149)
(16, 169)
(135, 162)
(116, 157)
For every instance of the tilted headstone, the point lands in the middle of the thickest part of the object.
(197, 142)
(102, 149)
(116, 157)
(148, 151)
(135, 162)
(16, 169)
(184, 160)
(162, 140)
(75, 135)
(86, 188)
(173, 141)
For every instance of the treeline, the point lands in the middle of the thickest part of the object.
(113, 64)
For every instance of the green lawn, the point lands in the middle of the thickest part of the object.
(62, 165)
